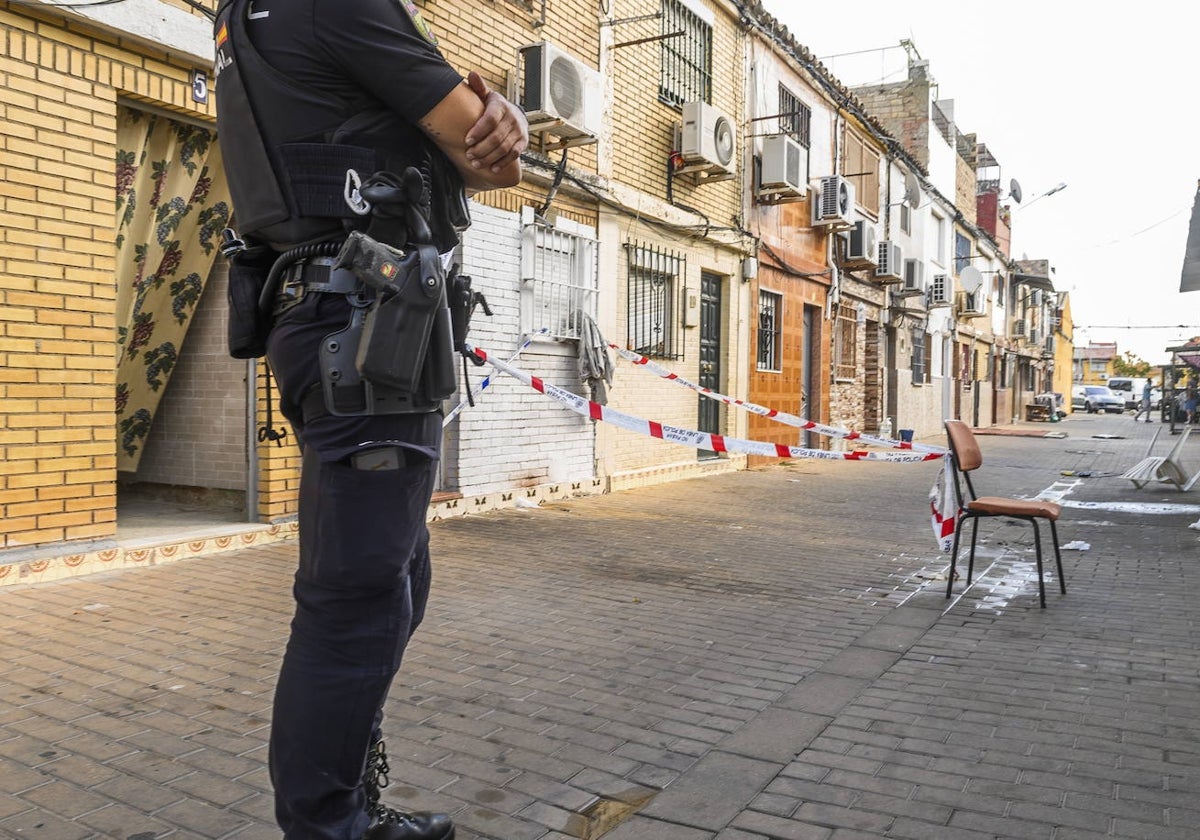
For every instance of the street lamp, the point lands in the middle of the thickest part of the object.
(1059, 187)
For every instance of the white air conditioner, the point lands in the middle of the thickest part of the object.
(706, 141)
(1034, 336)
(860, 244)
(890, 263)
(1037, 298)
(784, 167)
(560, 94)
(833, 201)
(914, 276)
(972, 305)
(1018, 330)
(940, 288)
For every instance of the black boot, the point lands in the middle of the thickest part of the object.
(389, 823)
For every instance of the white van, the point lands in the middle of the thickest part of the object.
(1128, 388)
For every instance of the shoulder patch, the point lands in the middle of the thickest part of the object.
(418, 21)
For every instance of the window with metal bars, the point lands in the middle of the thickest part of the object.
(558, 277)
(845, 342)
(770, 308)
(919, 360)
(655, 292)
(962, 253)
(686, 55)
(795, 118)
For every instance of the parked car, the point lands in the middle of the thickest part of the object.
(1129, 388)
(1156, 398)
(1096, 398)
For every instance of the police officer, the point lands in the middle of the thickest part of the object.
(314, 97)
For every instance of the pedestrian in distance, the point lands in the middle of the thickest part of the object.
(351, 145)
(1144, 405)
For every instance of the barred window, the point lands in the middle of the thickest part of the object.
(918, 361)
(558, 277)
(795, 118)
(770, 308)
(686, 54)
(846, 342)
(655, 325)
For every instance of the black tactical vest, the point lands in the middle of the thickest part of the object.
(287, 170)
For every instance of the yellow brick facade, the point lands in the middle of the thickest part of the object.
(59, 88)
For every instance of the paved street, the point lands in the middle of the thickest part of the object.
(765, 654)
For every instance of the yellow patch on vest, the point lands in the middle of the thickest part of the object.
(418, 21)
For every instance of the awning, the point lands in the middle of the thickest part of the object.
(1037, 281)
(1189, 281)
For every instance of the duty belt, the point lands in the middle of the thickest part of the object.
(315, 274)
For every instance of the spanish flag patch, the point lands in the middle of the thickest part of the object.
(418, 21)
(222, 35)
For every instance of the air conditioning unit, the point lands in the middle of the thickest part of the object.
(560, 94)
(1037, 298)
(940, 288)
(890, 263)
(1018, 330)
(706, 140)
(784, 167)
(861, 248)
(833, 201)
(972, 305)
(1034, 336)
(914, 276)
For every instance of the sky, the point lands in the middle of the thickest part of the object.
(1100, 97)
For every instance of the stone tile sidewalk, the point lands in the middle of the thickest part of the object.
(765, 654)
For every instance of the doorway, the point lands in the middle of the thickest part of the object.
(810, 377)
(709, 416)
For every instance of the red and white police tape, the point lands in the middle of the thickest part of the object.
(763, 411)
(690, 437)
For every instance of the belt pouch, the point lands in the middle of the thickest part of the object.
(248, 326)
(398, 325)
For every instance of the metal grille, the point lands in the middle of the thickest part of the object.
(769, 305)
(795, 118)
(686, 56)
(846, 342)
(559, 278)
(655, 325)
(917, 359)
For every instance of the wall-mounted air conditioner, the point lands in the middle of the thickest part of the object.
(914, 276)
(784, 167)
(890, 264)
(833, 201)
(1018, 330)
(939, 290)
(706, 140)
(1034, 336)
(861, 248)
(560, 94)
(972, 305)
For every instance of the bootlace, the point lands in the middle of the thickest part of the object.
(375, 777)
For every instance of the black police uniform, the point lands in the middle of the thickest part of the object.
(327, 72)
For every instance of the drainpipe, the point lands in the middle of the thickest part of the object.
(251, 441)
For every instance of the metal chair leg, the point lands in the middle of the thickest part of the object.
(953, 559)
(1062, 579)
(974, 537)
(1037, 544)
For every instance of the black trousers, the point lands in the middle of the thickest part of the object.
(360, 589)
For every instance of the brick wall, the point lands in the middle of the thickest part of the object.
(59, 90)
(199, 433)
(514, 437)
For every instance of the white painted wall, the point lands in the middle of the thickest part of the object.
(514, 437)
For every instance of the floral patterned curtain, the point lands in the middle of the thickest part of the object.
(172, 204)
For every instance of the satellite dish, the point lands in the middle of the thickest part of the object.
(912, 190)
(1014, 190)
(971, 279)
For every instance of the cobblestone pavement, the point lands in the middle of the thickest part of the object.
(764, 654)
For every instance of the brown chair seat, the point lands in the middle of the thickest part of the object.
(1000, 506)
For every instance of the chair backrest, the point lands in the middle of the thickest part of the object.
(964, 446)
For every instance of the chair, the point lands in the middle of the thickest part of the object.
(966, 457)
(1166, 469)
